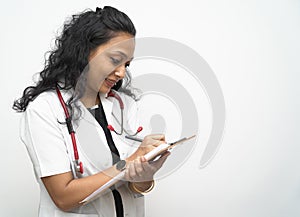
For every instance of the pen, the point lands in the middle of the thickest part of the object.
(134, 138)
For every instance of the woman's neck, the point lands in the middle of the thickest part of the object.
(89, 100)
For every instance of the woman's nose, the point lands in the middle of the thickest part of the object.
(120, 72)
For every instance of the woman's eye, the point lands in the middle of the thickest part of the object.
(115, 61)
(127, 65)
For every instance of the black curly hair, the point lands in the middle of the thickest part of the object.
(81, 34)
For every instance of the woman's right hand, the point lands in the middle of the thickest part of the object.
(149, 143)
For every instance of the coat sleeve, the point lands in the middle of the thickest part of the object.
(41, 134)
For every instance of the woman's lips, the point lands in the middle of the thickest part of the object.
(109, 82)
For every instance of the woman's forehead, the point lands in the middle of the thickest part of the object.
(122, 44)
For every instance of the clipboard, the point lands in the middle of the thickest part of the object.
(150, 156)
(155, 153)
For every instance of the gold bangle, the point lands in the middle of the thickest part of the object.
(135, 189)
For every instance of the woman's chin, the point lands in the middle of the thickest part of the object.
(104, 90)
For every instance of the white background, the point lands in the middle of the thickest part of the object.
(253, 48)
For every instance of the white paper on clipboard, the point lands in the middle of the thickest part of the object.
(149, 156)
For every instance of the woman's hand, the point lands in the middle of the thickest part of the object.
(149, 143)
(140, 170)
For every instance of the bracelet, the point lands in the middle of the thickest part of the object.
(135, 189)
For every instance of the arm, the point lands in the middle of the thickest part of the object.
(45, 143)
(67, 192)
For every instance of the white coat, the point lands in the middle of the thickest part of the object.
(50, 149)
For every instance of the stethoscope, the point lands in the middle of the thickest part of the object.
(114, 94)
(77, 163)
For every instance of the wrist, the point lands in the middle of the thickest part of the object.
(121, 165)
(141, 187)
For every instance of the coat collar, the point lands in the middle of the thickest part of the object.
(90, 136)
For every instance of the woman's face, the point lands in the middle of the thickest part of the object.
(108, 62)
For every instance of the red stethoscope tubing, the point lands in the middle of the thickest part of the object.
(112, 93)
(78, 164)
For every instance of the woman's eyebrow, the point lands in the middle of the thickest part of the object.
(123, 54)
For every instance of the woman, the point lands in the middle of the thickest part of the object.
(92, 56)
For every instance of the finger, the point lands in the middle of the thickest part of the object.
(143, 159)
(147, 167)
(148, 173)
(158, 163)
(165, 154)
(138, 167)
(160, 137)
(157, 143)
(150, 170)
(131, 171)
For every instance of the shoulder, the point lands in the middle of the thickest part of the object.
(42, 101)
(48, 101)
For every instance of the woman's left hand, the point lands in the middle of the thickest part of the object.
(140, 170)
